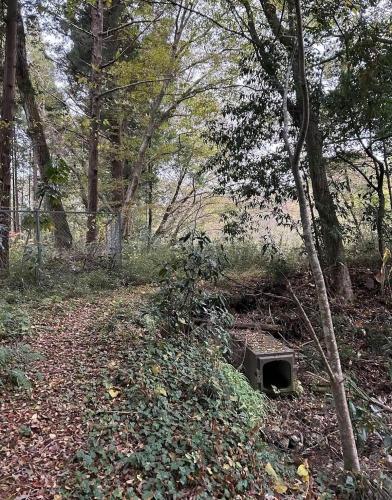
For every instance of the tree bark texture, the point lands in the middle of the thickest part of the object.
(42, 157)
(15, 186)
(111, 109)
(150, 189)
(117, 166)
(381, 210)
(330, 227)
(6, 128)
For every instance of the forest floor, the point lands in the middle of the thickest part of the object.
(43, 429)
(306, 426)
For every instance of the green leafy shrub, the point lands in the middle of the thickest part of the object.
(279, 266)
(243, 256)
(183, 304)
(379, 338)
(366, 416)
(262, 258)
(143, 265)
(185, 423)
(98, 279)
(363, 253)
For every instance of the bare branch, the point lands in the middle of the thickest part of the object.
(130, 85)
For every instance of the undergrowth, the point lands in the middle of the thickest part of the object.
(13, 363)
(14, 355)
(183, 423)
(76, 276)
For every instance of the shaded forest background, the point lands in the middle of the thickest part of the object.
(172, 117)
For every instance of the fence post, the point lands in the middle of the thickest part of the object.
(119, 240)
(38, 268)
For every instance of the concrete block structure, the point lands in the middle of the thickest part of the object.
(267, 363)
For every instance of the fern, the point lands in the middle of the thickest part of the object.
(13, 321)
(13, 363)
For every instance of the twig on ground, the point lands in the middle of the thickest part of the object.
(119, 412)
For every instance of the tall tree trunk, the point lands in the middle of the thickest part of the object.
(62, 232)
(139, 164)
(95, 111)
(170, 208)
(335, 259)
(313, 218)
(351, 207)
(330, 232)
(111, 109)
(350, 454)
(387, 174)
(156, 118)
(6, 127)
(34, 180)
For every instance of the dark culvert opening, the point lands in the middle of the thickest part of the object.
(277, 373)
(242, 303)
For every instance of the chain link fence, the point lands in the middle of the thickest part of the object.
(37, 240)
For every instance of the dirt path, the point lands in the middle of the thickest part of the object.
(40, 431)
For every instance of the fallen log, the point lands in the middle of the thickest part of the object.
(255, 325)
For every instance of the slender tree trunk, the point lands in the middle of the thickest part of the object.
(6, 127)
(35, 181)
(150, 187)
(156, 119)
(381, 214)
(351, 207)
(111, 108)
(41, 156)
(117, 167)
(170, 208)
(15, 184)
(95, 111)
(313, 217)
(350, 455)
(139, 164)
(387, 174)
(29, 186)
